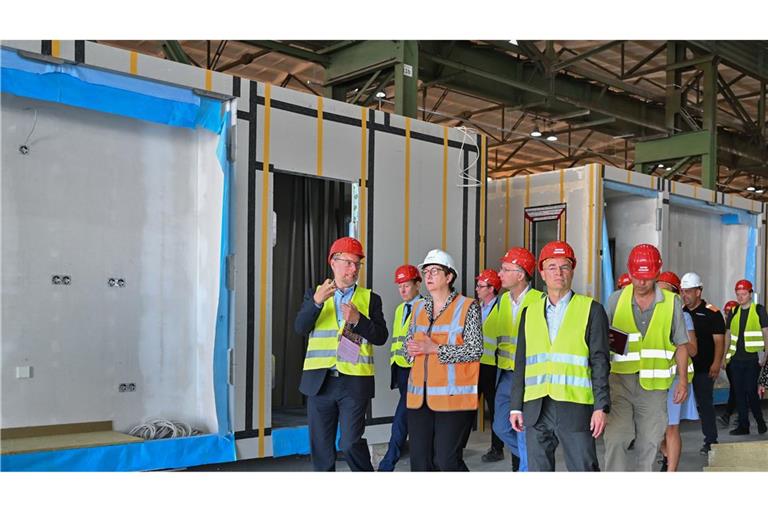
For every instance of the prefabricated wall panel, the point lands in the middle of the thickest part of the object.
(101, 196)
(631, 220)
(308, 135)
(578, 188)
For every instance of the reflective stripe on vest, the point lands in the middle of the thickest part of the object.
(324, 339)
(560, 368)
(507, 327)
(753, 334)
(449, 387)
(652, 356)
(399, 333)
(489, 336)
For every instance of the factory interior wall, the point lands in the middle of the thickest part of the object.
(631, 220)
(101, 196)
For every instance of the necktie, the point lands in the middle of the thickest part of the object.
(406, 312)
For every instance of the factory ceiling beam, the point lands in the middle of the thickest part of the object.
(584, 55)
(290, 51)
(750, 57)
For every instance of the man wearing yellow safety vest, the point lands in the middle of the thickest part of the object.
(560, 383)
(487, 290)
(652, 319)
(338, 369)
(407, 279)
(516, 274)
(747, 330)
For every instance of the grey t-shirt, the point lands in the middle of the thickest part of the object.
(643, 318)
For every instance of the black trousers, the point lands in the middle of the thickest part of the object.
(731, 395)
(745, 374)
(438, 438)
(333, 407)
(487, 386)
(703, 388)
(549, 431)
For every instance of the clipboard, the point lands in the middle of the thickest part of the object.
(617, 341)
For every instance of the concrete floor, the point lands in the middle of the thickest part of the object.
(479, 442)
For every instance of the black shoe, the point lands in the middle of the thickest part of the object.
(515, 463)
(493, 456)
(762, 428)
(706, 448)
(663, 465)
(631, 445)
(725, 419)
(739, 431)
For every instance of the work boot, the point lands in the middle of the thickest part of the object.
(515, 463)
(706, 448)
(739, 431)
(762, 428)
(493, 456)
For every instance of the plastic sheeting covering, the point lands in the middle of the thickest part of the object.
(79, 86)
(608, 280)
(750, 268)
(136, 98)
(149, 455)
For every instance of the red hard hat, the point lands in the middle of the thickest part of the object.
(644, 262)
(346, 244)
(671, 278)
(522, 257)
(405, 273)
(730, 305)
(623, 281)
(556, 249)
(489, 276)
(744, 285)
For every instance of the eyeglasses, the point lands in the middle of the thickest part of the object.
(483, 286)
(502, 269)
(349, 263)
(432, 271)
(565, 269)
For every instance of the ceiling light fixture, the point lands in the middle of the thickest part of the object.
(751, 188)
(551, 137)
(759, 191)
(536, 132)
(380, 94)
(513, 41)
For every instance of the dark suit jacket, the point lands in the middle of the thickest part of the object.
(373, 329)
(576, 416)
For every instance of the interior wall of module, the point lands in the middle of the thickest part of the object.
(397, 219)
(100, 197)
(578, 188)
(631, 220)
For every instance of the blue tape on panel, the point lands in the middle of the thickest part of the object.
(149, 455)
(750, 268)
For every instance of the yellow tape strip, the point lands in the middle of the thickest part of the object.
(673, 186)
(629, 177)
(445, 188)
(590, 222)
(599, 205)
(526, 224)
(134, 63)
(407, 186)
(55, 48)
(562, 184)
(506, 213)
(527, 190)
(263, 281)
(363, 183)
(483, 183)
(319, 135)
(653, 182)
(695, 191)
(208, 80)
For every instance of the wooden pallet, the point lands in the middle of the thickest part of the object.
(61, 437)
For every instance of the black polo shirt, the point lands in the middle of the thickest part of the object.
(706, 323)
(741, 354)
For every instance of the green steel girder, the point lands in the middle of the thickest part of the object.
(291, 51)
(505, 79)
(750, 57)
(672, 148)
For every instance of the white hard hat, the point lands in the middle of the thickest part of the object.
(438, 257)
(691, 280)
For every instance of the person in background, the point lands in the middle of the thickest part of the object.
(672, 444)
(407, 279)
(487, 290)
(623, 281)
(748, 329)
(725, 418)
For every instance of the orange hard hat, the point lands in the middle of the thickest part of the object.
(522, 257)
(405, 273)
(346, 244)
(489, 276)
(644, 262)
(556, 249)
(743, 284)
(730, 305)
(670, 278)
(623, 281)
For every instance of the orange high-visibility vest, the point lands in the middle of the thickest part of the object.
(450, 387)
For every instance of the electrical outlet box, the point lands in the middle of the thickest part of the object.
(23, 372)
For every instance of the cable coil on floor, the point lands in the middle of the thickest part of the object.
(163, 429)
